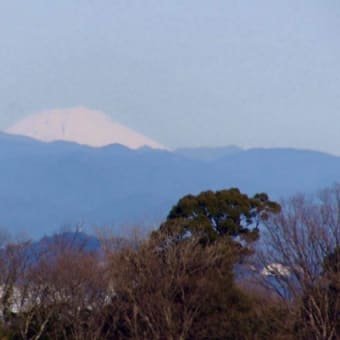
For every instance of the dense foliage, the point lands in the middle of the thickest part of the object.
(221, 214)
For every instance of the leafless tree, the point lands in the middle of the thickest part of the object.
(163, 290)
(65, 294)
(14, 261)
(294, 246)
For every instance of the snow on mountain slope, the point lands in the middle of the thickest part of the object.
(82, 126)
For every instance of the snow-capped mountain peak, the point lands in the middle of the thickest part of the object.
(80, 125)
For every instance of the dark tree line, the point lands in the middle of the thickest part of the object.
(222, 266)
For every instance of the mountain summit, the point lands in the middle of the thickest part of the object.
(80, 125)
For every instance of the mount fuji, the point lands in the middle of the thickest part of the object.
(82, 126)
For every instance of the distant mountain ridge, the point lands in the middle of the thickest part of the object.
(45, 186)
(208, 153)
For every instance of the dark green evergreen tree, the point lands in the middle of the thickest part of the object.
(215, 215)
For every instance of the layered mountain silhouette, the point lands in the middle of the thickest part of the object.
(45, 186)
(208, 153)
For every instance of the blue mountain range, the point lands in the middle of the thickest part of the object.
(48, 186)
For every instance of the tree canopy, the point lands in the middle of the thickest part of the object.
(219, 214)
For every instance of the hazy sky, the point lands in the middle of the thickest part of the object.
(186, 73)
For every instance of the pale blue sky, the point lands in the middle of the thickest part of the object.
(186, 73)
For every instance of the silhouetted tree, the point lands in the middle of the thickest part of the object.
(226, 214)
